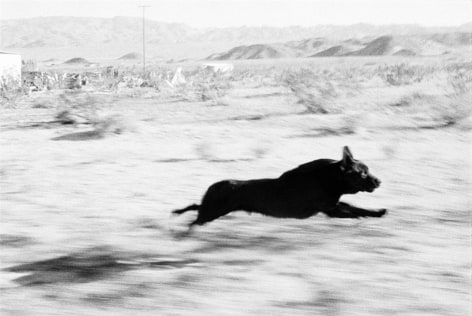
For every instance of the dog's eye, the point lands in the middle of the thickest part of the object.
(363, 175)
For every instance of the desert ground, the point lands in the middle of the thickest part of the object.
(86, 225)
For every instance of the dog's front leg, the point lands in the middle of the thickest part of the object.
(344, 210)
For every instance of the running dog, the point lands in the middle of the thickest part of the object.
(311, 188)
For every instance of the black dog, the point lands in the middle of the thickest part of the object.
(299, 193)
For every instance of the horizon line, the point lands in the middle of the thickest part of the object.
(242, 25)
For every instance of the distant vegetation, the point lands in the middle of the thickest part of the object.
(430, 92)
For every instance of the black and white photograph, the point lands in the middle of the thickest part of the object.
(236, 157)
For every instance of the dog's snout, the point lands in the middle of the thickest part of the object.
(377, 182)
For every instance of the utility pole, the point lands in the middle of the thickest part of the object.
(144, 40)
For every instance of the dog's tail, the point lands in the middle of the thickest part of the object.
(188, 208)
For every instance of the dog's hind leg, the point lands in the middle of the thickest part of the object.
(344, 210)
(191, 226)
(203, 218)
(188, 208)
(207, 214)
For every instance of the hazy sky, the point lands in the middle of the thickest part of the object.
(203, 13)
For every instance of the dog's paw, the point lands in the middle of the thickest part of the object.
(381, 212)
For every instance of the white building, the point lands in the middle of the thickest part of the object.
(10, 68)
(222, 68)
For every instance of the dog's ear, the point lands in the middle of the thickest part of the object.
(348, 159)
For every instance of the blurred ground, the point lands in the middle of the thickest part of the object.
(92, 218)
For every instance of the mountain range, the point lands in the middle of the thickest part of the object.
(399, 45)
(120, 35)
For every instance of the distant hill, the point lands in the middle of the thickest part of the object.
(398, 45)
(77, 31)
(404, 52)
(337, 50)
(77, 60)
(453, 39)
(307, 44)
(378, 47)
(130, 56)
(258, 51)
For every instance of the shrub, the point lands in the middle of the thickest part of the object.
(76, 107)
(11, 90)
(311, 90)
(206, 86)
(403, 74)
(460, 81)
(454, 109)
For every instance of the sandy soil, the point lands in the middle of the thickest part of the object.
(100, 210)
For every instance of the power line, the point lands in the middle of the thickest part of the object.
(144, 39)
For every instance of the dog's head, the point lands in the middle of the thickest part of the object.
(356, 174)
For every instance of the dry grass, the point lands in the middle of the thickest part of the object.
(92, 211)
(434, 91)
(403, 74)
